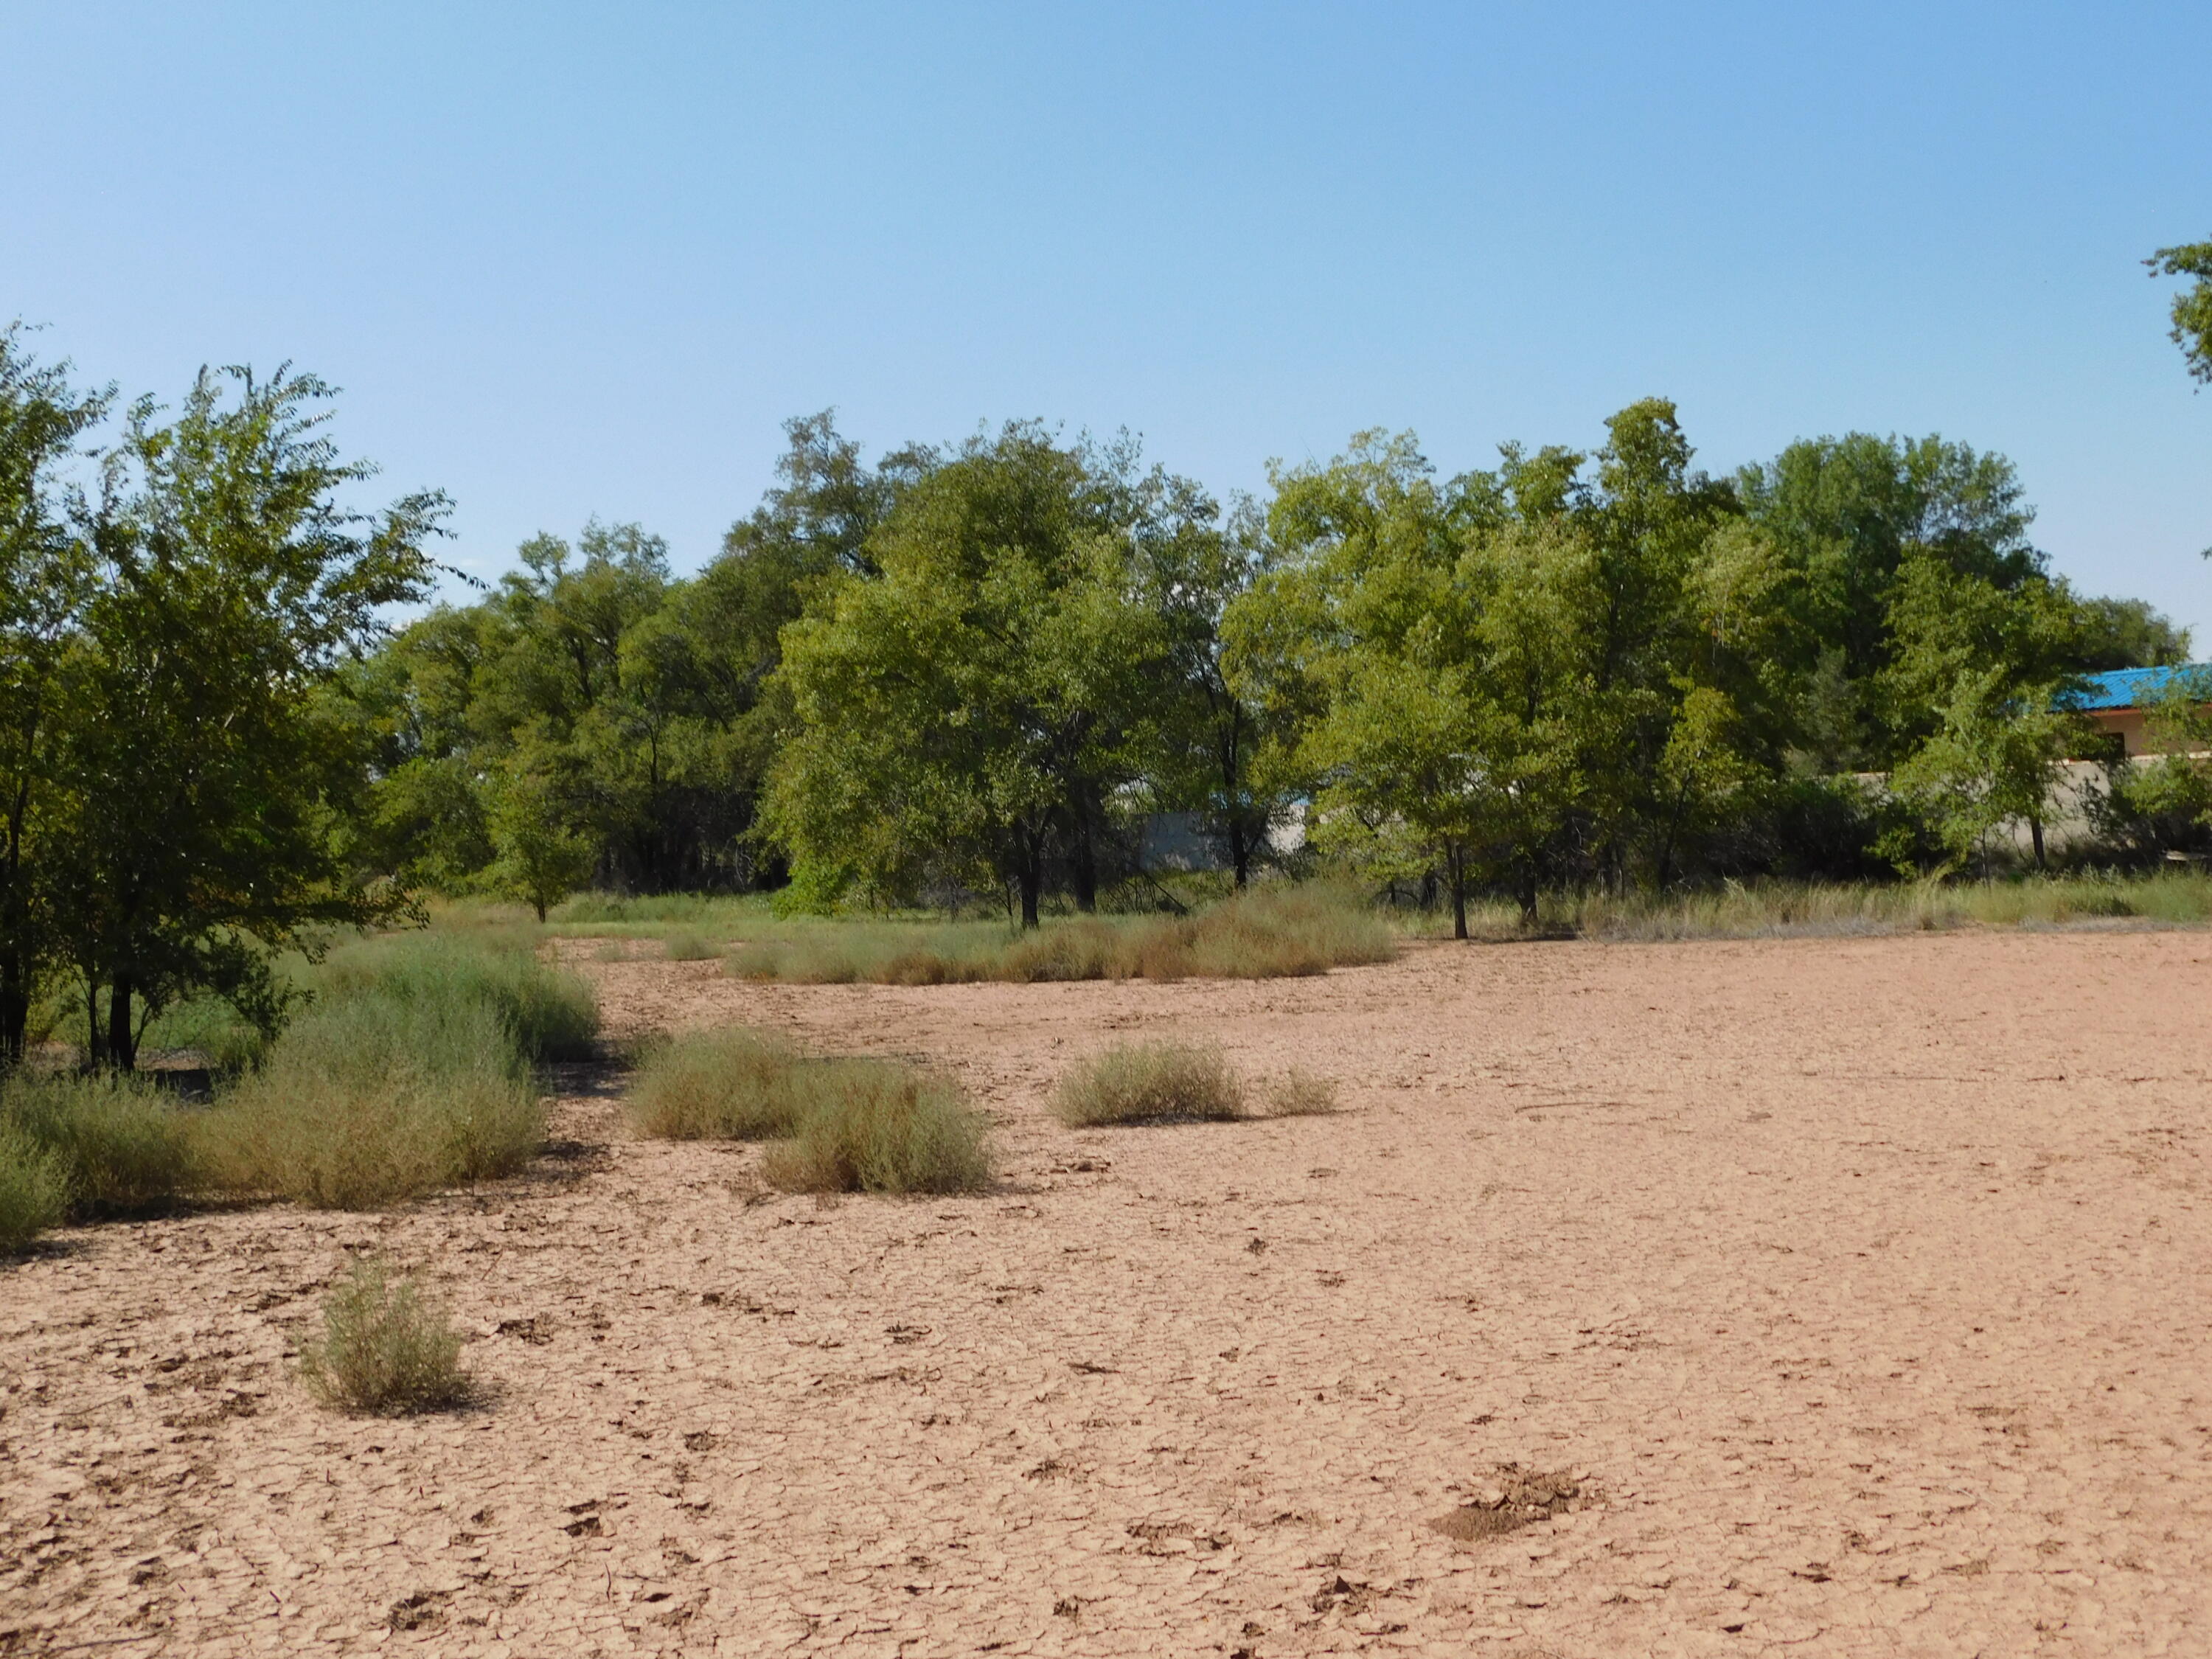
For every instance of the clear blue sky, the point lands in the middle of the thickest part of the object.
(572, 259)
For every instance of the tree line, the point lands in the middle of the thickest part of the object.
(978, 670)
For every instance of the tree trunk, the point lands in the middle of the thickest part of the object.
(1240, 852)
(2035, 830)
(122, 1044)
(14, 1009)
(1458, 906)
(1032, 880)
(1528, 897)
(1084, 863)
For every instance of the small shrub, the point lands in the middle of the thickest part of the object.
(875, 1127)
(550, 1015)
(384, 1350)
(1300, 1093)
(120, 1147)
(1150, 1083)
(33, 1188)
(377, 1098)
(733, 1084)
(690, 947)
(610, 950)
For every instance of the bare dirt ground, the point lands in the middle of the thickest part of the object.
(1834, 1297)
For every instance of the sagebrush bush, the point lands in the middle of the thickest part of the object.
(384, 1350)
(551, 1015)
(874, 1126)
(377, 1098)
(1301, 1093)
(34, 1189)
(1150, 1083)
(121, 1145)
(731, 1084)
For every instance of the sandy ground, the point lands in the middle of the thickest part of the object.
(1858, 1287)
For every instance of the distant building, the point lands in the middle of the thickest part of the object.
(2119, 702)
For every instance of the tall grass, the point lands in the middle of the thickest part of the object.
(1271, 932)
(378, 1096)
(838, 1124)
(119, 1144)
(550, 1015)
(33, 1188)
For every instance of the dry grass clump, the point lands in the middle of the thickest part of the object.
(33, 1188)
(877, 1127)
(1300, 1093)
(839, 1125)
(688, 947)
(119, 1145)
(384, 1350)
(375, 1099)
(1271, 932)
(1150, 1083)
(733, 1084)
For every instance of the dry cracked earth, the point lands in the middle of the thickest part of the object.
(1821, 1296)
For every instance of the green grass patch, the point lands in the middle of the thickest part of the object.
(1150, 1083)
(386, 1349)
(549, 1014)
(1815, 909)
(1270, 932)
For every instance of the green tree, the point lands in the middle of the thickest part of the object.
(208, 762)
(983, 699)
(2192, 307)
(1980, 675)
(45, 580)
(541, 856)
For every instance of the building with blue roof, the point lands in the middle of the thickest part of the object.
(2119, 703)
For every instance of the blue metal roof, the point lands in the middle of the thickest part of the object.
(2131, 687)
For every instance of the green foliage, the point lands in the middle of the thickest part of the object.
(119, 1144)
(540, 858)
(2192, 307)
(384, 1350)
(1150, 1083)
(47, 578)
(972, 710)
(33, 1188)
(873, 1126)
(182, 768)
